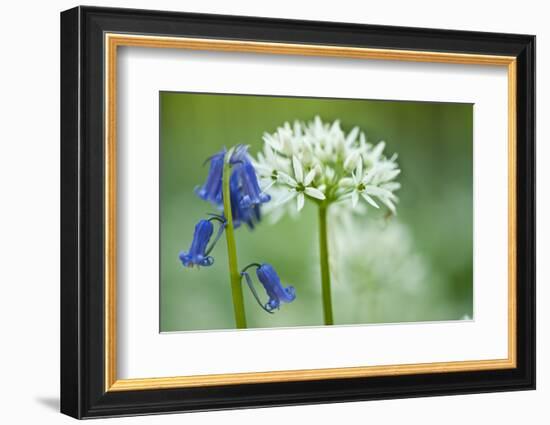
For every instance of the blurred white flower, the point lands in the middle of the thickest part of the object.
(319, 161)
(376, 268)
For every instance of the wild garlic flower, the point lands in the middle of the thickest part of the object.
(320, 162)
(300, 185)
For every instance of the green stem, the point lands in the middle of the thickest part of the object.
(235, 276)
(325, 270)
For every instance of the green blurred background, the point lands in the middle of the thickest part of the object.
(413, 267)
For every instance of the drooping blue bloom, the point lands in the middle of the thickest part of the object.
(245, 193)
(211, 191)
(198, 254)
(251, 192)
(272, 284)
(249, 188)
(248, 215)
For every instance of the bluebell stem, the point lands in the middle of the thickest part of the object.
(197, 254)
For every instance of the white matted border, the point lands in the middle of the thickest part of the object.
(143, 352)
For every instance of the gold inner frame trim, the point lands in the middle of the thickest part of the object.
(113, 41)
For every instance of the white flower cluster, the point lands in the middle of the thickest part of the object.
(320, 161)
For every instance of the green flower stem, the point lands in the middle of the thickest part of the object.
(325, 270)
(235, 276)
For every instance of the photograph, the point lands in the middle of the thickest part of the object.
(281, 212)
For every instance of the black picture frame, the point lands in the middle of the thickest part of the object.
(82, 218)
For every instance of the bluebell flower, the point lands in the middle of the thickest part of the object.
(211, 191)
(198, 251)
(246, 195)
(248, 215)
(250, 193)
(272, 284)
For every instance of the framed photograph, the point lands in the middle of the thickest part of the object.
(261, 212)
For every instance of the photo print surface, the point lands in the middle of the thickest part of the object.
(289, 211)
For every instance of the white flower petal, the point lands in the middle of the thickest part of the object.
(378, 191)
(269, 154)
(354, 198)
(356, 178)
(362, 140)
(298, 170)
(378, 149)
(391, 186)
(350, 162)
(369, 200)
(314, 193)
(261, 157)
(369, 175)
(286, 198)
(268, 186)
(329, 173)
(346, 182)
(309, 177)
(263, 169)
(335, 127)
(286, 179)
(297, 128)
(389, 204)
(352, 136)
(318, 124)
(272, 141)
(359, 169)
(390, 175)
(300, 201)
